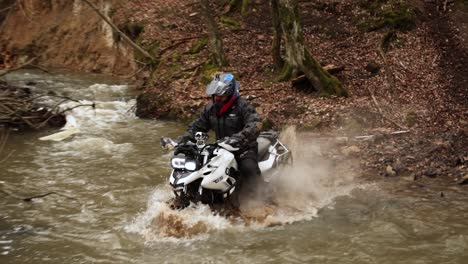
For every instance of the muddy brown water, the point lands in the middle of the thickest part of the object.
(112, 181)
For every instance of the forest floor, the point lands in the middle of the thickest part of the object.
(417, 85)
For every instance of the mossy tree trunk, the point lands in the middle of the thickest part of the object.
(216, 42)
(277, 35)
(298, 57)
(244, 6)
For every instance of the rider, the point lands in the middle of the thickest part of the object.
(231, 117)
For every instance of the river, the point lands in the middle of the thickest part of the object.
(110, 181)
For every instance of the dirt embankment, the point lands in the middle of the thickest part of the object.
(413, 82)
(63, 34)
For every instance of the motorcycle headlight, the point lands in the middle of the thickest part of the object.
(190, 165)
(183, 163)
(178, 163)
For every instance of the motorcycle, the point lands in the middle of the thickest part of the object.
(208, 173)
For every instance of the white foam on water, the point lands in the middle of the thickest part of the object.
(95, 92)
(86, 146)
(93, 129)
(96, 146)
(103, 116)
(159, 223)
(105, 90)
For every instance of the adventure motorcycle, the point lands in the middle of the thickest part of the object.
(208, 173)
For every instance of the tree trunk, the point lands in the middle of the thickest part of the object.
(234, 4)
(114, 27)
(277, 35)
(215, 40)
(299, 58)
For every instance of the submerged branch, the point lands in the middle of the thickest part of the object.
(29, 199)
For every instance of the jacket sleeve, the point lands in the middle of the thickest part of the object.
(250, 132)
(202, 124)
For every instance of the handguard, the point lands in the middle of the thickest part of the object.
(229, 144)
(168, 143)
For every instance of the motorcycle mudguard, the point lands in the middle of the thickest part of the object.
(269, 163)
(191, 177)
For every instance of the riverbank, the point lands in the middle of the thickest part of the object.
(415, 83)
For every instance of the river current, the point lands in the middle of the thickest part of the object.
(109, 183)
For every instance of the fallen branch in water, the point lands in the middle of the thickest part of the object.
(29, 199)
(2, 73)
(19, 109)
(37, 66)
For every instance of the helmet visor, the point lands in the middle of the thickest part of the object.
(217, 87)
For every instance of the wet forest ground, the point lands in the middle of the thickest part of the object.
(404, 66)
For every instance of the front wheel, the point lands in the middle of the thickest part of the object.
(179, 202)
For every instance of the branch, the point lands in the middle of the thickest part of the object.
(133, 44)
(194, 67)
(392, 133)
(189, 38)
(2, 73)
(380, 109)
(253, 89)
(93, 105)
(20, 4)
(177, 42)
(40, 68)
(7, 8)
(29, 199)
(43, 123)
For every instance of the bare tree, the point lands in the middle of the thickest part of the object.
(298, 58)
(216, 42)
(277, 35)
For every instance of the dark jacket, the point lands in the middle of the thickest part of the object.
(239, 121)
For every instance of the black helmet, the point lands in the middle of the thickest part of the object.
(222, 84)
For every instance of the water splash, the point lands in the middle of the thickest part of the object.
(295, 194)
(299, 191)
(160, 223)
